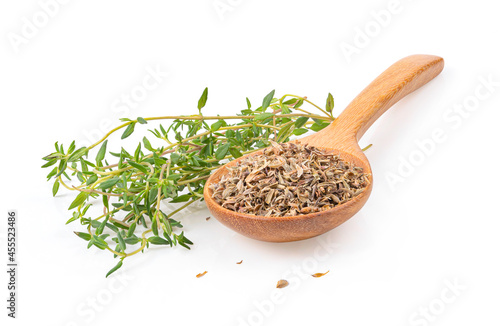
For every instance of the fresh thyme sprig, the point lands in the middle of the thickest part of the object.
(132, 190)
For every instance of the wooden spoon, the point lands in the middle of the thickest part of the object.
(341, 137)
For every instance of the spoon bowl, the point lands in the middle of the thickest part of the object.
(290, 228)
(340, 137)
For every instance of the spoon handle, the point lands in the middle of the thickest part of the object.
(399, 80)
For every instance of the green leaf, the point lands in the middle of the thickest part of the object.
(102, 151)
(109, 183)
(80, 199)
(129, 130)
(299, 103)
(66, 175)
(131, 229)
(75, 217)
(141, 121)
(101, 226)
(114, 269)
(317, 126)
(235, 152)
(52, 156)
(159, 161)
(122, 244)
(285, 132)
(298, 132)
(49, 163)
(285, 109)
(62, 166)
(79, 175)
(174, 158)
(249, 105)
(132, 240)
(147, 144)
(99, 242)
(112, 227)
(94, 223)
(85, 168)
(157, 241)
(216, 126)
(96, 243)
(154, 225)
(183, 241)
(181, 198)
(174, 176)
(52, 173)
(55, 187)
(163, 131)
(77, 154)
(290, 101)
(329, 103)
(300, 122)
(119, 225)
(138, 166)
(267, 100)
(183, 237)
(84, 236)
(165, 234)
(152, 194)
(222, 151)
(203, 99)
(86, 209)
(120, 161)
(137, 154)
(263, 116)
(91, 180)
(71, 147)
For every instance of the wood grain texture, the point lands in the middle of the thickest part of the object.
(341, 137)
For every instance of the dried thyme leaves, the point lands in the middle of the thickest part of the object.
(288, 180)
(201, 274)
(320, 274)
(282, 284)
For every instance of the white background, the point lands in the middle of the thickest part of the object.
(391, 262)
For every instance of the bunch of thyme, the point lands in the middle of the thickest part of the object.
(132, 189)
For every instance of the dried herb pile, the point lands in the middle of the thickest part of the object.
(288, 180)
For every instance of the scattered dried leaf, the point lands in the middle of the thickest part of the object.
(207, 218)
(239, 262)
(319, 274)
(282, 284)
(201, 274)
